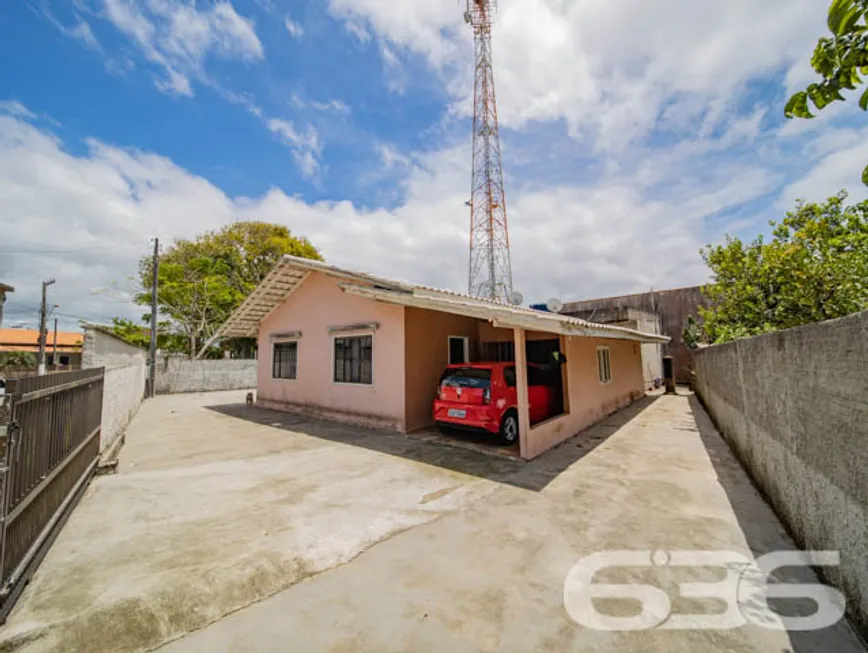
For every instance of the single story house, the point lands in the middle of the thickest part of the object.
(27, 340)
(353, 347)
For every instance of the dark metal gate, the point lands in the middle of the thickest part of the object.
(49, 453)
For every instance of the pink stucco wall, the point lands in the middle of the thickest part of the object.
(316, 305)
(588, 399)
(404, 379)
(426, 355)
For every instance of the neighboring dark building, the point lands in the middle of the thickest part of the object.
(672, 306)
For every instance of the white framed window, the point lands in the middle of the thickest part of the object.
(284, 360)
(459, 349)
(604, 365)
(353, 359)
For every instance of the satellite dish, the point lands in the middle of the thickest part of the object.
(515, 298)
(554, 305)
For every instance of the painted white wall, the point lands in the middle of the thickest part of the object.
(123, 391)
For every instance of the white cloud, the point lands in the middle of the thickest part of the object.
(416, 24)
(84, 33)
(295, 30)
(15, 108)
(392, 158)
(618, 214)
(177, 37)
(609, 69)
(305, 146)
(334, 106)
(101, 207)
(838, 169)
(81, 30)
(821, 120)
(354, 28)
(330, 106)
(612, 237)
(175, 83)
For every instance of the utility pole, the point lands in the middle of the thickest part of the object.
(43, 336)
(54, 349)
(152, 355)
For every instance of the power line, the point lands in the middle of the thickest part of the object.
(89, 248)
(35, 314)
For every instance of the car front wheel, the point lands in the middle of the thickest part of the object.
(509, 428)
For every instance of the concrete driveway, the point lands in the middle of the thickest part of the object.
(239, 529)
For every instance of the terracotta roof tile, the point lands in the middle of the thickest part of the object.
(30, 338)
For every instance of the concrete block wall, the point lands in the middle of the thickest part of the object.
(102, 348)
(793, 405)
(124, 386)
(177, 375)
(123, 392)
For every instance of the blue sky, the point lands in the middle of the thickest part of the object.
(632, 135)
(105, 88)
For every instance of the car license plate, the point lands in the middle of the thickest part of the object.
(457, 413)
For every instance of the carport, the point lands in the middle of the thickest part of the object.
(601, 370)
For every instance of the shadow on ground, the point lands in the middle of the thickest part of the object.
(534, 475)
(754, 515)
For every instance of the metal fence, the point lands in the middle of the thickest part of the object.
(50, 451)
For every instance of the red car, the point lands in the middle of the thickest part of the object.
(482, 396)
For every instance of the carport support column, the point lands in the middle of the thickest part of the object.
(521, 391)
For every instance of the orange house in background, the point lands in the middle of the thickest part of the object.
(68, 345)
(365, 350)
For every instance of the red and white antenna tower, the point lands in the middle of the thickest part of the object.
(490, 267)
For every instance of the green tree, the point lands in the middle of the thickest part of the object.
(134, 333)
(139, 334)
(202, 281)
(839, 60)
(691, 335)
(17, 360)
(815, 268)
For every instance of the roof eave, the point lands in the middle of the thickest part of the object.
(269, 294)
(291, 272)
(500, 317)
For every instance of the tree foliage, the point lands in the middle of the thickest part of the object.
(815, 268)
(839, 60)
(691, 335)
(140, 335)
(17, 360)
(134, 333)
(201, 281)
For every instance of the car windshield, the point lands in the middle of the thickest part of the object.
(466, 377)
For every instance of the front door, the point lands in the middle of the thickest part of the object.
(458, 346)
